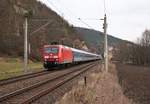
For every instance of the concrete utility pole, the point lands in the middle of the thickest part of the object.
(25, 44)
(105, 43)
(26, 14)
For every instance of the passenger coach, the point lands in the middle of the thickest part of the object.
(54, 55)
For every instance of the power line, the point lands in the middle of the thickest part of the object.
(96, 19)
(81, 21)
(55, 7)
(41, 27)
(85, 23)
(104, 2)
(62, 14)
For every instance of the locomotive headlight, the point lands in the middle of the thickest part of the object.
(55, 57)
(46, 57)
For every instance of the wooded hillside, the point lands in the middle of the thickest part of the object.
(12, 28)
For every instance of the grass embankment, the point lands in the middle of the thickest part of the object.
(101, 88)
(10, 67)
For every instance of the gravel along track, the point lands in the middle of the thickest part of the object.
(58, 93)
(135, 81)
(32, 88)
(21, 77)
(7, 88)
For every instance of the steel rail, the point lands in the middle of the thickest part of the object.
(22, 77)
(42, 93)
(20, 91)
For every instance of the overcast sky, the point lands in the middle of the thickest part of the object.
(127, 19)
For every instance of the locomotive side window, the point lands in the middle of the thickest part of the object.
(50, 50)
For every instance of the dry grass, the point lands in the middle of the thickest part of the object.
(102, 88)
(135, 82)
(10, 67)
(81, 94)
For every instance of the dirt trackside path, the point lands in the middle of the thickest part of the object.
(102, 88)
(135, 81)
(108, 89)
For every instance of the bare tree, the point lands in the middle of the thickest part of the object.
(138, 53)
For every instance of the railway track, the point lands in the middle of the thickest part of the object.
(22, 77)
(30, 93)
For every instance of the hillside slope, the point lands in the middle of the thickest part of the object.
(58, 30)
(95, 39)
(12, 29)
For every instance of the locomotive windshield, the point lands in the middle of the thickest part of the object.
(50, 50)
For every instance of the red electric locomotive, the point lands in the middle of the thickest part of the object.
(54, 55)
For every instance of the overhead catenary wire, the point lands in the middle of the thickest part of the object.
(79, 19)
(40, 27)
(61, 13)
(85, 23)
(104, 2)
(55, 7)
(96, 19)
